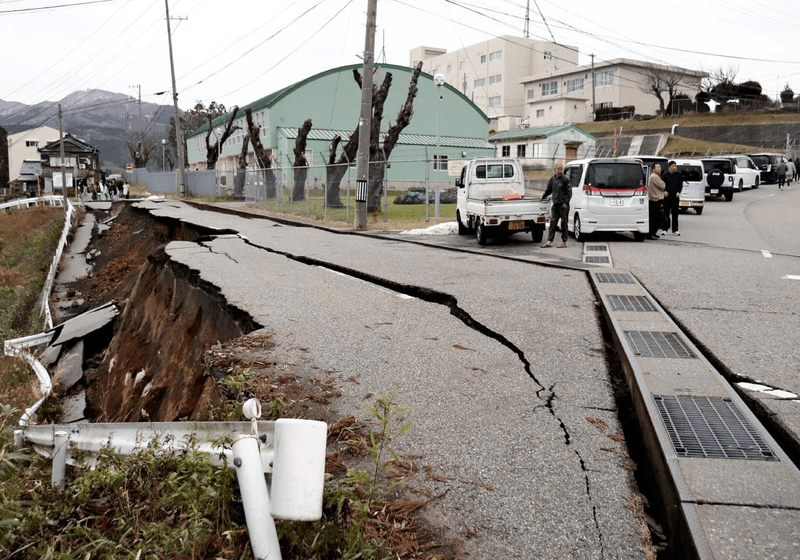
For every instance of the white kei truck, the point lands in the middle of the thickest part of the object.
(491, 201)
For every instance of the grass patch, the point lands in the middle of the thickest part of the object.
(680, 146)
(702, 119)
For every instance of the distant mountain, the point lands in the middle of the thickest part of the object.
(103, 119)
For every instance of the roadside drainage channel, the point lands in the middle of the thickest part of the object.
(597, 254)
(728, 489)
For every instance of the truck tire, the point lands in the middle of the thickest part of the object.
(698, 211)
(480, 233)
(537, 232)
(729, 195)
(755, 185)
(462, 229)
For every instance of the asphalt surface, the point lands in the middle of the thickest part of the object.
(497, 354)
(499, 363)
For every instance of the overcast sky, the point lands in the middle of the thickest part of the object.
(236, 51)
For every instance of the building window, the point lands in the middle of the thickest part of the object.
(603, 105)
(604, 79)
(462, 65)
(480, 82)
(496, 55)
(575, 85)
(31, 143)
(539, 113)
(449, 68)
(506, 151)
(550, 88)
(495, 101)
(520, 150)
(439, 162)
(496, 79)
(531, 93)
(536, 150)
(483, 59)
(548, 55)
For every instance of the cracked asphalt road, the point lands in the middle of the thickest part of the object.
(499, 363)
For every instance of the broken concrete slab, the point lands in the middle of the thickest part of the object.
(73, 407)
(70, 367)
(86, 323)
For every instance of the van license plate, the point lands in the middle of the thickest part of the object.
(616, 202)
(685, 203)
(516, 224)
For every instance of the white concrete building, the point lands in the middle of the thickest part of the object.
(490, 73)
(23, 155)
(565, 95)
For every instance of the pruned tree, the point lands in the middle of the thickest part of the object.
(241, 168)
(263, 157)
(192, 120)
(213, 150)
(378, 155)
(659, 81)
(787, 95)
(300, 166)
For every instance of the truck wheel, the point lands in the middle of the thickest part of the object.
(741, 185)
(537, 232)
(755, 185)
(698, 211)
(729, 195)
(638, 236)
(576, 229)
(462, 230)
(480, 233)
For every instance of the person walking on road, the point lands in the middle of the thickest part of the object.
(782, 169)
(655, 197)
(558, 186)
(673, 185)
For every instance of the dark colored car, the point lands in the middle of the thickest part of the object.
(767, 164)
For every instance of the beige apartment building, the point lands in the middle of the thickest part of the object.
(24, 160)
(565, 96)
(490, 73)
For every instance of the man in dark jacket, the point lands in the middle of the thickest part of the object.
(673, 185)
(559, 187)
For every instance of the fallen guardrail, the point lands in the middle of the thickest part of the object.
(292, 450)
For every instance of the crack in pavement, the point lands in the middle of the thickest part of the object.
(449, 301)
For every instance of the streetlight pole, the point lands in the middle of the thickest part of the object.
(438, 79)
(178, 133)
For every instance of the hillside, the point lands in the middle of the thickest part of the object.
(101, 118)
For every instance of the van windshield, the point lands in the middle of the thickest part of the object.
(615, 175)
(760, 160)
(494, 171)
(723, 165)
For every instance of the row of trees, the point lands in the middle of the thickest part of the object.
(340, 155)
(719, 86)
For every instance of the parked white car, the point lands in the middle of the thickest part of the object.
(745, 172)
(607, 195)
(693, 194)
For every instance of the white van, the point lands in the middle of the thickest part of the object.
(693, 194)
(607, 195)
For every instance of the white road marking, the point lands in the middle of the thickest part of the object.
(766, 254)
(792, 277)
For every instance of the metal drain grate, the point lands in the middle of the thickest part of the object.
(655, 344)
(710, 427)
(596, 248)
(630, 303)
(614, 278)
(596, 259)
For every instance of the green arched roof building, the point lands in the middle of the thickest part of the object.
(332, 100)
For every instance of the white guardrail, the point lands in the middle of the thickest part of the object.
(293, 450)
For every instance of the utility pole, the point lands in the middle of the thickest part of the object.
(61, 148)
(594, 115)
(181, 188)
(141, 140)
(365, 121)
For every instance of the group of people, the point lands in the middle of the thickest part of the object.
(105, 191)
(787, 170)
(664, 196)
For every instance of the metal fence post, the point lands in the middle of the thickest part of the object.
(60, 441)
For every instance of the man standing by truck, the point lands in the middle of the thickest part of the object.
(558, 186)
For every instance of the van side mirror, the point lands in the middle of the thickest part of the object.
(459, 183)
